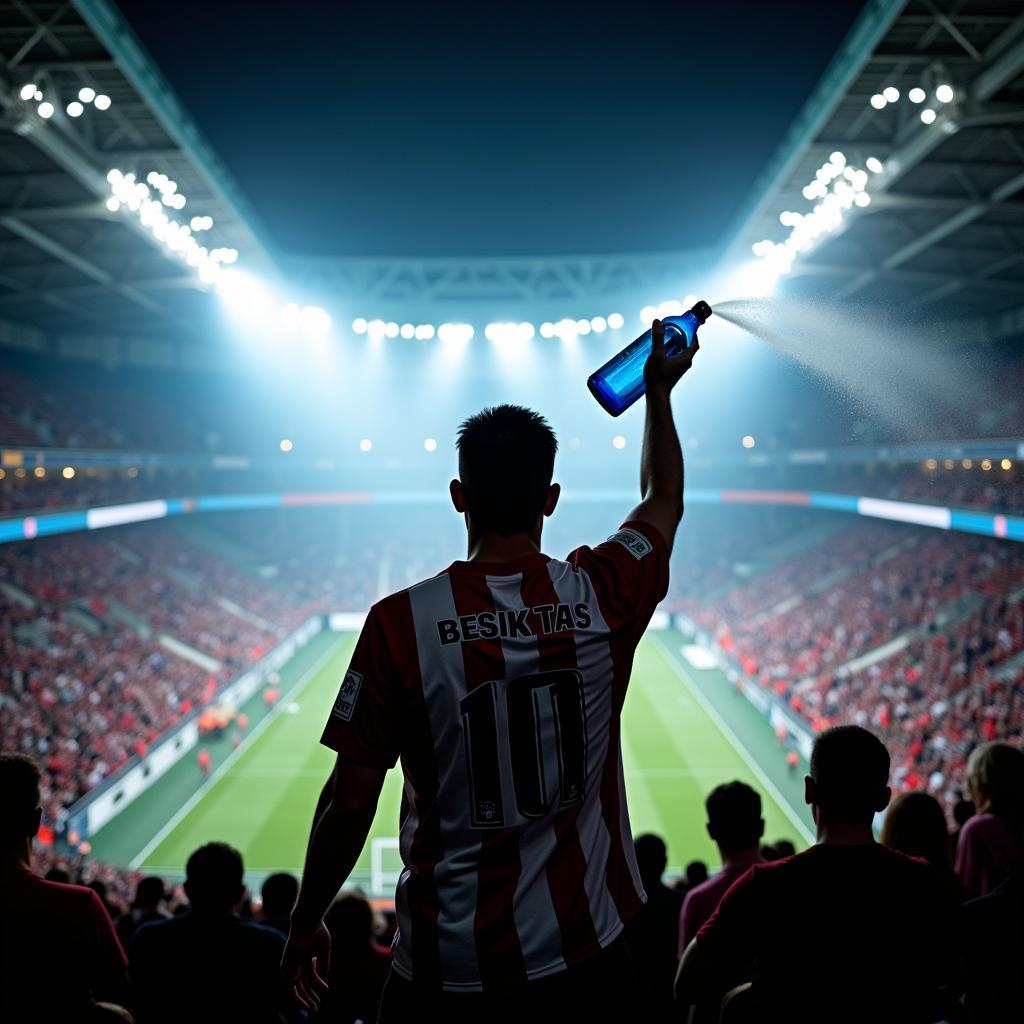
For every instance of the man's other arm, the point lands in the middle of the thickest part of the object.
(341, 824)
(661, 460)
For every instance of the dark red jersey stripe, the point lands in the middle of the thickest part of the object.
(427, 847)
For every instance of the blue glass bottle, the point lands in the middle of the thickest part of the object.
(620, 382)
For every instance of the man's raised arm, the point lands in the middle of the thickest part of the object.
(661, 461)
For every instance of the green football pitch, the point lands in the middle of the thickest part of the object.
(684, 731)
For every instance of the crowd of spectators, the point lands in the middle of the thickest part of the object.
(922, 926)
(949, 604)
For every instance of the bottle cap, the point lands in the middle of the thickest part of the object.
(701, 310)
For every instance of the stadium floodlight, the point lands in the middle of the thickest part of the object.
(582, 326)
(38, 96)
(87, 94)
(285, 445)
(615, 321)
(874, 165)
(618, 441)
(1006, 464)
(102, 102)
(455, 333)
(526, 331)
(748, 441)
(113, 204)
(28, 91)
(547, 329)
(647, 314)
(45, 110)
(598, 324)
(928, 115)
(891, 93)
(291, 315)
(673, 307)
(376, 329)
(365, 444)
(944, 93)
(862, 199)
(424, 332)
(359, 325)
(430, 444)
(68, 472)
(315, 321)
(243, 294)
(838, 159)
(74, 109)
(878, 101)
(916, 95)
(391, 329)
(566, 329)
(408, 331)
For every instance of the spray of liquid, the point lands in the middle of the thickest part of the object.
(917, 378)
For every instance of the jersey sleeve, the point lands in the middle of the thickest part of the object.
(364, 722)
(629, 572)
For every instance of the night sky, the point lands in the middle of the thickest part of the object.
(449, 128)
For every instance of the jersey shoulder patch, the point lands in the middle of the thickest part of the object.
(633, 541)
(345, 705)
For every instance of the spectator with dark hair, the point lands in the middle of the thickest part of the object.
(208, 965)
(278, 894)
(49, 931)
(846, 931)
(652, 933)
(991, 844)
(358, 967)
(915, 825)
(148, 905)
(695, 873)
(736, 826)
(783, 848)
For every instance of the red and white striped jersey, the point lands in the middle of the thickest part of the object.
(500, 688)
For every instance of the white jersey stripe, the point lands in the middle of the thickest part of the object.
(444, 685)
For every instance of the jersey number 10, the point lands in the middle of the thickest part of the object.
(537, 708)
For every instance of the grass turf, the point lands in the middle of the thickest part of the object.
(684, 731)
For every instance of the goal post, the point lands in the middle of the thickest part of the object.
(385, 866)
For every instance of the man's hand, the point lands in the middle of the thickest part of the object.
(663, 372)
(306, 961)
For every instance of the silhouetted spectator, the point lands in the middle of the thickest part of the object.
(358, 967)
(58, 874)
(991, 844)
(208, 965)
(147, 906)
(783, 848)
(916, 825)
(695, 873)
(994, 953)
(652, 933)
(736, 826)
(278, 894)
(59, 954)
(845, 931)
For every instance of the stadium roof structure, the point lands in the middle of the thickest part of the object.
(926, 98)
(79, 98)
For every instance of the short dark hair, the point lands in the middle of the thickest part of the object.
(850, 769)
(506, 461)
(19, 798)
(279, 893)
(651, 857)
(213, 877)
(734, 816)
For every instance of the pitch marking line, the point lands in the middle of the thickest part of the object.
(257, 731)
(734, 740)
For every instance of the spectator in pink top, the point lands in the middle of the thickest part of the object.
(736, 826)
(991, 844)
